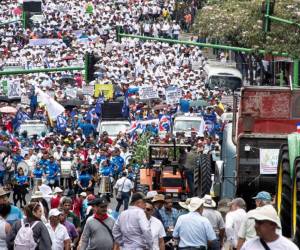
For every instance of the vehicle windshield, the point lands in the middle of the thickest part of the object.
(114, 129)
(33, 129)
(222, 82)
(186, 125)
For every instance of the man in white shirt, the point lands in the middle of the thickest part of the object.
(124, 187)
(157, 228)
(58, 233)
(234, 219)
(266, 224)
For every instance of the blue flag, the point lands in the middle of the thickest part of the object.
(20, 117)
(99, 103)
(61, 124)
(125, 108)
(91, 114)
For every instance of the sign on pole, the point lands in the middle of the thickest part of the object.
(13, 89)
(4, 87)
(147, 92)
(173, 95)
(106, 89)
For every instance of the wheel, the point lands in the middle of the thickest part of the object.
(284, 192)
(296, 202)
(205, 181)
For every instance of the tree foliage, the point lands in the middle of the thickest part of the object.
(240, 22)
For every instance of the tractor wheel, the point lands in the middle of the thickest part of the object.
(204, 175)
(296, 202)
(284, 193)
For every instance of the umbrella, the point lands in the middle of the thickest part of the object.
(68, 79)
(69, 57)
(198, 103)
(8, 110)
(4, 149)
(72, 103)
(130, 99)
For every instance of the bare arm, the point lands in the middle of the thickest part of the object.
(222, 236)
(7, 228)
(67, 244)
(240, 243)
(161, 244)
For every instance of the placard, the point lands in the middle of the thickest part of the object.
(4, 87)
(173, 95)
(268, 160)
(88, 90)
(25, 100)
(71, 93)
(66, 168)
(13, 89)
(106, 89)
(147, 92)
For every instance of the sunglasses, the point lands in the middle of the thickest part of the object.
(149, 209)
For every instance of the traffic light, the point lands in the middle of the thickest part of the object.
(90, 61)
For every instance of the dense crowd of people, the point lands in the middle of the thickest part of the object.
(41, 208)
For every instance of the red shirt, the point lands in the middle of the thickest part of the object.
(77, 205)
(55, 202)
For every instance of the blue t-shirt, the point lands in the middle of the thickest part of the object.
(87, 128)
(38, 172)
(14, 215)
(119, 162)
(51, 170)
(21, 179)
(107, 170)
(184, 105)
(84, 179)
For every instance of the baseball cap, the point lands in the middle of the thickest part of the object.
(263, 195)
(54, 212)
(98, 201)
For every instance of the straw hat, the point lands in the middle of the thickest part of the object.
(185, 204)
(3, 192)
(195, 203)
(37, 194)
(158, 197)
(208, 201)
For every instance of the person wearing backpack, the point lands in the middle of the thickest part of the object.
(30, 233)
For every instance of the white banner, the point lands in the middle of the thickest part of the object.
(147, 92)
(88, 90)
(71, 93)
(268, 160)
(173, 95)
(13, 89)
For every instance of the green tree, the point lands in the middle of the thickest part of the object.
(239, 23)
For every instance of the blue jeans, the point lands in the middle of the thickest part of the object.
(125, 199)
(189, 174)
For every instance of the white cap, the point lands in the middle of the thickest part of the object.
(58, 190)
(54, 212)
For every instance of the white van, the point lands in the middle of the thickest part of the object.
(223, 76)
(113, 127)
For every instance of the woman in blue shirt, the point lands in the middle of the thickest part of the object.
(20, 187)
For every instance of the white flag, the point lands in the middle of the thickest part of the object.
(53, 107)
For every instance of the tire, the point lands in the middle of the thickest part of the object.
(205, 181)
(284, 192)
(296, 200)
(142, 188)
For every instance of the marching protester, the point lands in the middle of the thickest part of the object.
(123, 187)
(40, 237)
(132, 229)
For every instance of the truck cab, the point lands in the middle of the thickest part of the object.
(187, 123)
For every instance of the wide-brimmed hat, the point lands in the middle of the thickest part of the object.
(151, 194)
(58, 190)
(37, 194)
(195, 204)
(3, 192)
(185, 204)
(158, 197)
(266, 213)
(208, 201)
(98, 201)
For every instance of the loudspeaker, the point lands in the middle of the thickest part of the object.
(32, 5)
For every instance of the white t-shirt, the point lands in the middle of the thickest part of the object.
(58, 236)
(128, 185)
(233, 223)
(280, 244)
(157, 230)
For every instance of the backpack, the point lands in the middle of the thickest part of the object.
(24, 239)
